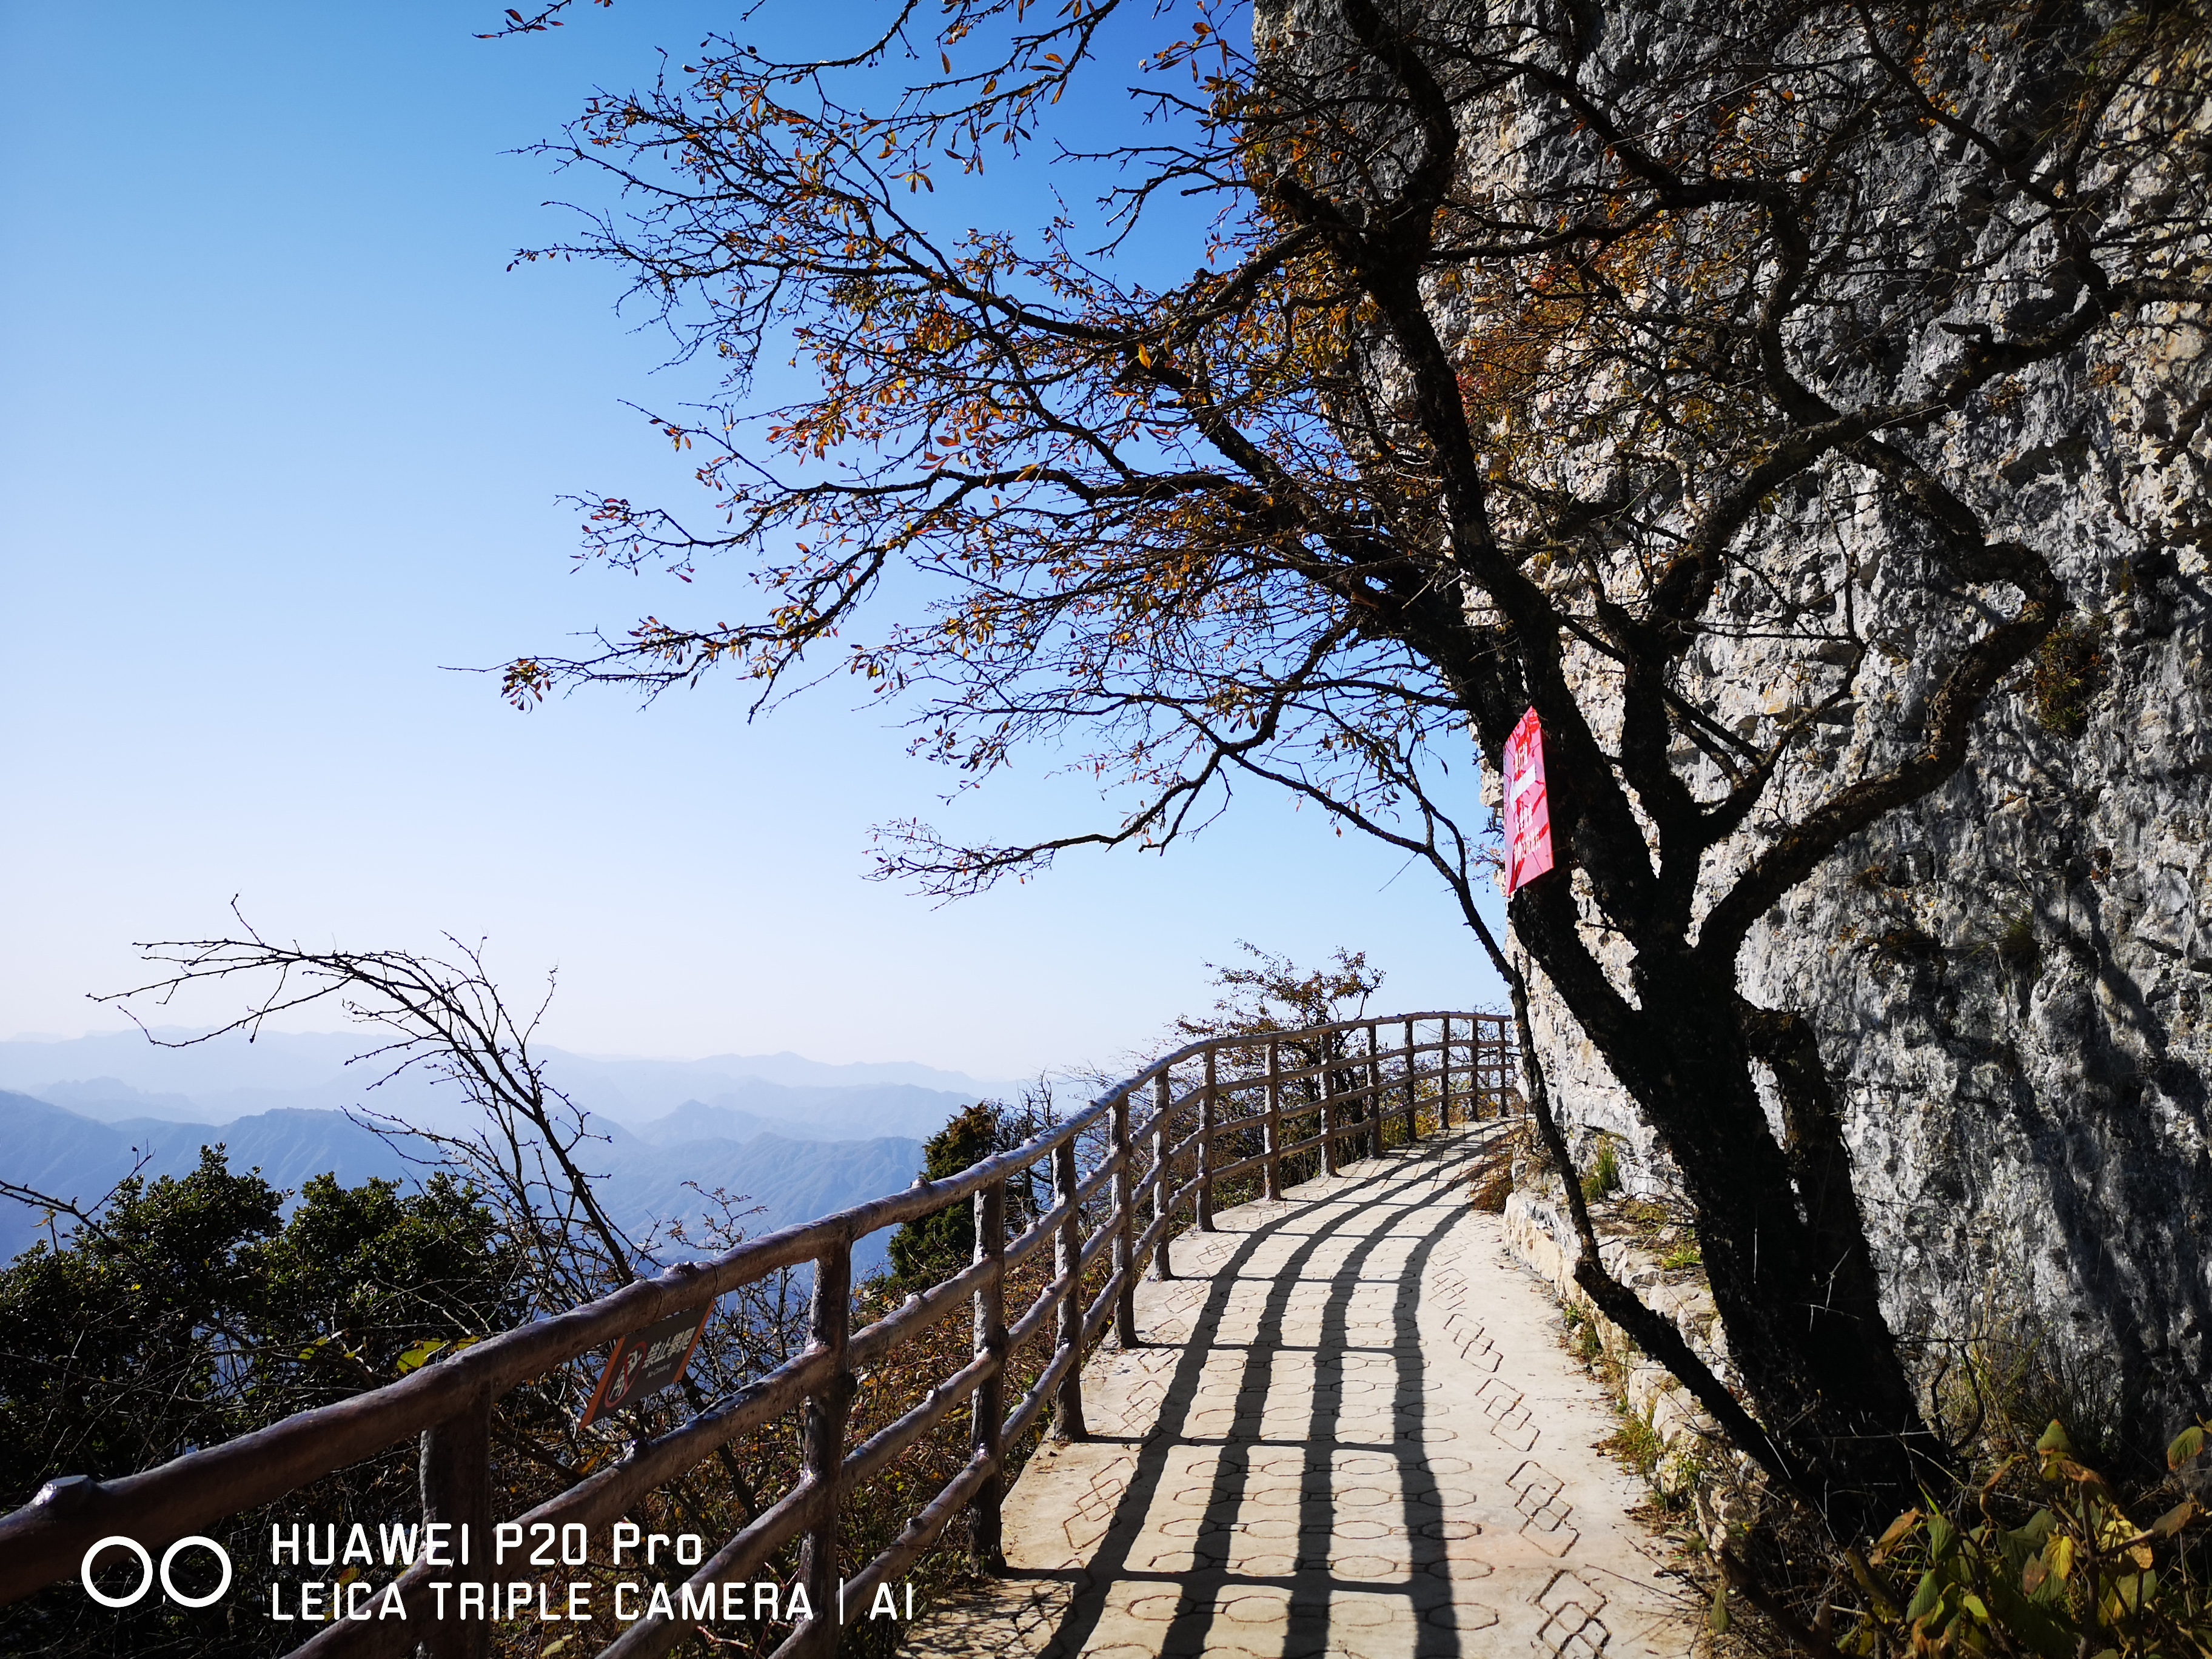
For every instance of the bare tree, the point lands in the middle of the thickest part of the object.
(1530, 361)
(529, 1153)
(1273, 993)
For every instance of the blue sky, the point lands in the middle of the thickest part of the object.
(282, 439)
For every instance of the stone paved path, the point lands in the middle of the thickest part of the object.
(1352, 1431)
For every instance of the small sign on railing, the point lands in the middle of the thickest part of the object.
(645, 1362)
(1528, 811)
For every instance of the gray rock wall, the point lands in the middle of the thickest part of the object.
(2010, 977)
(2013, 976)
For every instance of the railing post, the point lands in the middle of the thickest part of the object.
(825, 1441)
(1412, 1107)
(1374, 1093)
(1274, 1118)
(1206, 1148)
(1444, 1073)
(1163, 1182)
(990, 1398)
(1325, 1086)
(1067, 1421)
(1468, 1085)
(455, 1479)
(1124, 1228)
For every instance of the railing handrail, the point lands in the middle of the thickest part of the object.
(41, 1543)
(1252, 1039)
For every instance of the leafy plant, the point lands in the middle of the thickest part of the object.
(938, 1246)
(1582, 1339)
(191, 1309)
(2071, 668)
(1276, 994)
(2016, 946)
(2078, 1577)
(1636, 1442)
(1603, 1177)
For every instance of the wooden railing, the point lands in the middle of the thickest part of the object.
(1283, 1094)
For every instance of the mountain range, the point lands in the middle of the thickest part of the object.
(118, 1075)
(797, 1138)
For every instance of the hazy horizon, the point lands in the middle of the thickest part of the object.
(336, 1033)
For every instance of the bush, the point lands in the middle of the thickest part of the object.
(1604, 1178)
(2070, 669)
(2016, 946)
(191, 1309)
(2078, 1578)
(938, 1246)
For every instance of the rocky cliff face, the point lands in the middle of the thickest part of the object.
(2014, 976)
(2011, 978)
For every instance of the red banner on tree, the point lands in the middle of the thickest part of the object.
(1528, 813)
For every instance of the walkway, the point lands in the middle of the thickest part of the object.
(1357, 1434)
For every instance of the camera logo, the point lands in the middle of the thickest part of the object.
(147, 1569)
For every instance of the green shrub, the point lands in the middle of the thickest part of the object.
(1603, 1177)
(1635, 1444)
(2071, 668)
(2016, 946)
(938, 1246)
(2078, 1577)
(1582, 1339)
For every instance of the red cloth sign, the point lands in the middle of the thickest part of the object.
(1528, 813)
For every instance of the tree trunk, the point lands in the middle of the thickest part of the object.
(1780, 1232)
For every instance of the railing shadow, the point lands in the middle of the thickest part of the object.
(1345, 1349)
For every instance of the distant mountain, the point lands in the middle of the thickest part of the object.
(278, 1059)
(787, 1181)
(116, 1075)
(799, 1137)
(651, 1078)
(57, 1151)
(789, 1177)
(67, 1156)
(848, 1114)
(701, 1120)
(110, 1101)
